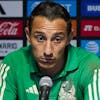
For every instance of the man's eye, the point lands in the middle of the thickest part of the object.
(57, 39)
(40, 38)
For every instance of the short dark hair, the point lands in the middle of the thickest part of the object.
(51, 11)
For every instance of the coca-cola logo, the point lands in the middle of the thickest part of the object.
(9, 28)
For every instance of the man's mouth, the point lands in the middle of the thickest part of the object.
(47, 60)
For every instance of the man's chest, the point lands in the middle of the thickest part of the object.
(62, 89)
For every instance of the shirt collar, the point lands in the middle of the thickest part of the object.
(71, 63)
(33, 66)
(32, 63)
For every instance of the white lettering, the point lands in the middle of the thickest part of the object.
(67, 6)
(8, 28)
(8, 46)
(96, 28)
(93, 8)
(88, 28)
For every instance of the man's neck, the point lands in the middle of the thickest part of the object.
(53, 71)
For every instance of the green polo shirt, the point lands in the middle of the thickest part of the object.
(79, 80)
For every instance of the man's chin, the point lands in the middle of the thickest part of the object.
(46, 66)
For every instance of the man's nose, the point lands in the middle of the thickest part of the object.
(48, 50)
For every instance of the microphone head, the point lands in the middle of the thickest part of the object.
(46, 81)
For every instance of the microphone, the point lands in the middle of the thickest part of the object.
(45, 86)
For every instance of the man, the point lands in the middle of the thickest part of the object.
(75, 72)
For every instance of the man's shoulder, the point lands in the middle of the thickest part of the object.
(19, 52)
(17, 56)
(82, 53)
(85, 57)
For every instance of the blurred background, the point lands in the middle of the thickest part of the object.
(85, 16)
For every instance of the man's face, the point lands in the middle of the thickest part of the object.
(48, 40)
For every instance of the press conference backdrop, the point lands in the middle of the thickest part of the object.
(85, 16)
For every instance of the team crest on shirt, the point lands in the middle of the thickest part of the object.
(67, 91)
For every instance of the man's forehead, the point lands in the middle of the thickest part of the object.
(44, 23)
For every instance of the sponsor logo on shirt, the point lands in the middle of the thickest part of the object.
(11, 8)
(90, 28)
(67, 91)
(7, 46)
(11, 28)
(33, 89)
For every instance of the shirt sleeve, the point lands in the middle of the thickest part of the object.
(92, 91)
(7, 81)
(90, 80)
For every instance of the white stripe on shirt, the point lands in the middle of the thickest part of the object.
(94, 85)
(90, 92)
(1, 72)
(4, 72)
(99, 81)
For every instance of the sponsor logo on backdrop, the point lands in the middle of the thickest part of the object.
(90, 28)
(11, 8)
(31, 5)
(69, 5)
(90, 8)
(11, 28)
(35, 4)
(93, 8)
(92, 46)
(2, 11)
(7, 46)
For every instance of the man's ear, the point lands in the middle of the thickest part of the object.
(27, 33)
(70, 37)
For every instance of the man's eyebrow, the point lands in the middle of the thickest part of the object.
(38, 32)
(60, 33)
